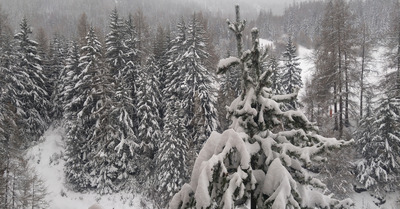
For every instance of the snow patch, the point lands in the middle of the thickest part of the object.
(307, 65)
(264, 43)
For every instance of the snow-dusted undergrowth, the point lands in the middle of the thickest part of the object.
(47, 157)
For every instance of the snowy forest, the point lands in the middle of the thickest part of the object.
(199, 104)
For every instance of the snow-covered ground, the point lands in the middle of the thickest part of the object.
(306, 65)
(377, 65)
(266, 43)
(47, 158)
(365, 201)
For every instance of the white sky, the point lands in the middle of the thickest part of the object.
(277, 6)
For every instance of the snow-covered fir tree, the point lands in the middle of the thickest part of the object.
(291, 73)
(171, 157)
(172, 78)
(111, 137)
(261, 162)
(9, 100)
(115, 47)
(162, 64)
(367, 167)
(276, 84)
(378, 140)
(149, 100)
(192, 84)
(378, 135)
(129, 74)
(131, 40)
(80, 122)
(199, 85)
(33, 98)
(68, 78)
(149, 130)
(101, 142)
(56, 65)
(172, 153)
(122, 59)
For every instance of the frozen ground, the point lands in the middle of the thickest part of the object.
(47, 158)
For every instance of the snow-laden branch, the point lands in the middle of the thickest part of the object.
(225, 64)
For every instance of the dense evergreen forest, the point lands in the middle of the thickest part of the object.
(188, 108)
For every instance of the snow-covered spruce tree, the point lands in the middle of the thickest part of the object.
(10, 140)
(171, 156)
(199, 83)
(68, 78)
(129, 74)
(291, 73)
(172, 78)
(379, 133)
(172, 153)
(111, 137)
(122, 59)
(149, 131)
(276, 83)
(261, 161)
(101, 141)
(379, 140)
(162, 64)
(367, 167)
(78, 109)
(55, 73)
(115, 47)
(192, 84)
(131, 41)
(121, 148)
(173, 55)
(123, 56)
(32, 94)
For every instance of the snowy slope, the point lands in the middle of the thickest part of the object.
(48, 159)
(266, 43)
(306, 65)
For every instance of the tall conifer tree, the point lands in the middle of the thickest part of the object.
(33, 98)
(261, 162)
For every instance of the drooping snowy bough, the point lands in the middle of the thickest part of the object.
(262, 161)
